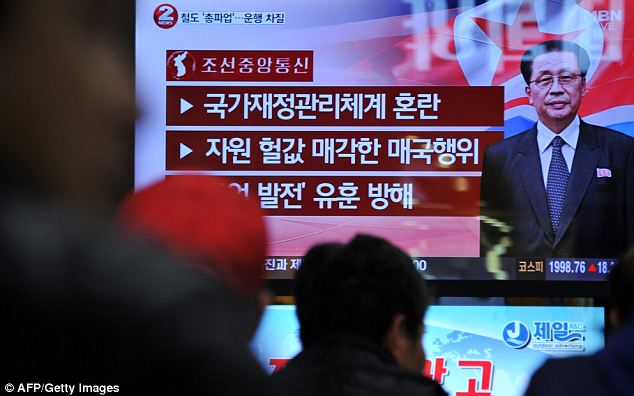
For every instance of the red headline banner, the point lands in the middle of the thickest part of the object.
(312, 151)
(361, 195)
(334, 106)
(239, 65)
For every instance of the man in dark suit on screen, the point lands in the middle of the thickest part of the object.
(563, 188)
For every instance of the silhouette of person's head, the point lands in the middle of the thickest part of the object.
(367, 288)
(68, 103)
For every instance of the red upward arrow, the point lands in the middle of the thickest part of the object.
(592, 268)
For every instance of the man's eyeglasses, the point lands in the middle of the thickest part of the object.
(565, 79)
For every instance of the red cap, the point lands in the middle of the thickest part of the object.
(206, 222)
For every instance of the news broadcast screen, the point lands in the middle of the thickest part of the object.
(499, 347)
(408, 120)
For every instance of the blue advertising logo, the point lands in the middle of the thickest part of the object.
(516, 335)
(559, 331)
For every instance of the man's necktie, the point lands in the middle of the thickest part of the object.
(556, 184)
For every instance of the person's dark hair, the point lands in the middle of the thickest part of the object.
(621, 281)
(307, 286)
(357, 289)
(526, 65)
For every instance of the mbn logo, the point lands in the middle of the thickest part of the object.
(608, 15)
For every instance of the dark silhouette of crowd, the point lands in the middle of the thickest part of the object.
(162, 293)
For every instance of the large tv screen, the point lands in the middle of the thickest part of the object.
(489, 349)
(408, 120)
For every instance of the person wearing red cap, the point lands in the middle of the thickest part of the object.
(208, 225)
(82, 304)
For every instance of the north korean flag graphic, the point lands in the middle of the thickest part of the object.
(482, 44)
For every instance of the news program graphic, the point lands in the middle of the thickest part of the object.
(333, 95)
(516, 335)
(165, 16)
(180, 65)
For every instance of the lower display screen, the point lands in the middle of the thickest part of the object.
(499, 347)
